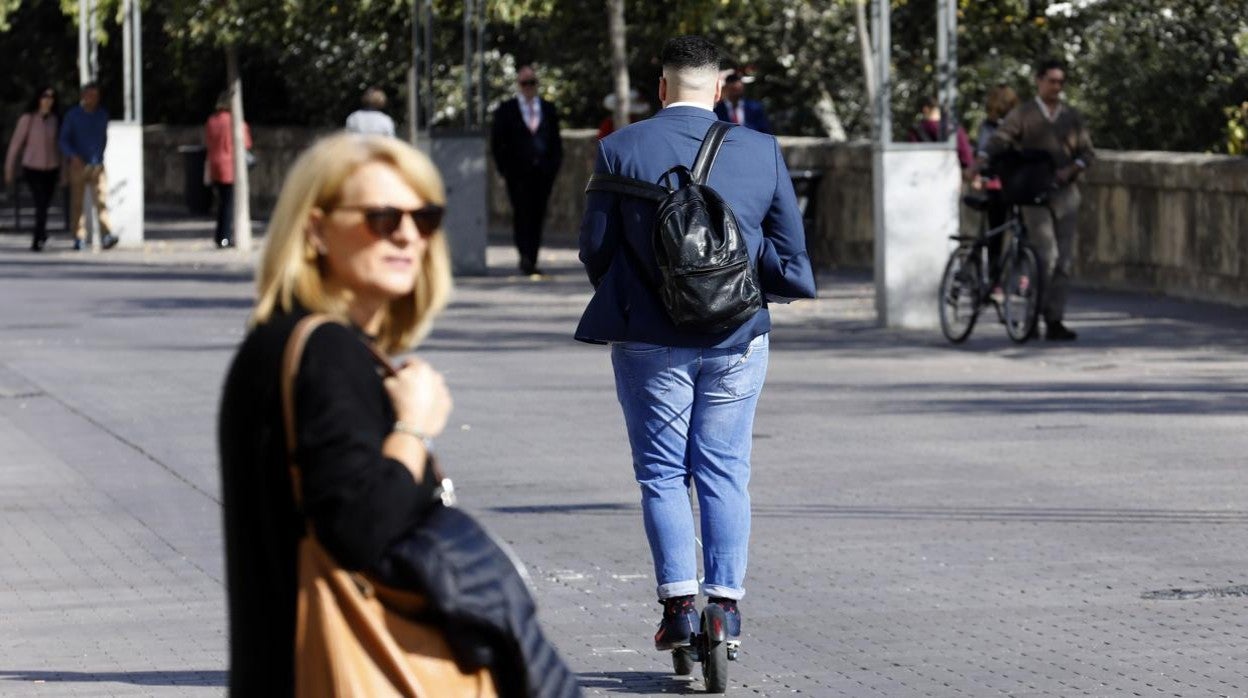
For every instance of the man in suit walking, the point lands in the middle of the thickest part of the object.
(527, 152)
(734, 106)
(689, 397)
(1049, 124)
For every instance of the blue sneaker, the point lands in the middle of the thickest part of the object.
(733, 615)
(680, 622)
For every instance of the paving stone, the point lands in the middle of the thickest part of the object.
(929, 520)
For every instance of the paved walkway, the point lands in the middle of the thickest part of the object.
(930, 520)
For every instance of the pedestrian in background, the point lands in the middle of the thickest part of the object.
(738, 109)
(689, 397)
(933, 126)
(219, 143)
(527, 152)
(638, 109)
(34, 146)
(1000, 100)
(371, 116)
(1048, 124)
(84, 136)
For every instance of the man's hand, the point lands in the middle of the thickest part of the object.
(75, 161)
(1068, 174)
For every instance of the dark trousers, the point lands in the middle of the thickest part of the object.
(528, 195)
(225, 211)
(998, 212)
(42, 185)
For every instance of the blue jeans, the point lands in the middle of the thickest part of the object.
(690, 414)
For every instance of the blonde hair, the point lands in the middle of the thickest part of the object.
(290, 271)
(1001, 100)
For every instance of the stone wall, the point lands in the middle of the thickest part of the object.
(1173, 223)
(275, 149)
(1176, 223)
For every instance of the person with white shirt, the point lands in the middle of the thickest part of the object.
(371, 117)
(527, 151)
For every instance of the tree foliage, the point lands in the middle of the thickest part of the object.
(1149, 74)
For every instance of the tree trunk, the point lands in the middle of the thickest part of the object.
(618, 31)
(864, 44)
(242, 190)
(825, 111)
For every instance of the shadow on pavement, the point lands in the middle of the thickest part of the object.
(639, 682)
(1004, 514)
(139, 678)
(964, 398)
(931, 513)
(98, 270)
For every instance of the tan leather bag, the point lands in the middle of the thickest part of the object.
(354, 637)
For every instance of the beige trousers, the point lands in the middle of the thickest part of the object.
(82, 177)
(1054, 239)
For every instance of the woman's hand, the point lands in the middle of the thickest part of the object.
(420, 397)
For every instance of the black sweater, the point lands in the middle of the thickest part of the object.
(358, 500)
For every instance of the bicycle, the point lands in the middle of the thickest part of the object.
(1013, 282)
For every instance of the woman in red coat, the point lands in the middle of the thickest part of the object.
(219, 140)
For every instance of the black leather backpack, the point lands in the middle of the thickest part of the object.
(707, 281)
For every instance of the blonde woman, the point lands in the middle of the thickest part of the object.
(356, 235)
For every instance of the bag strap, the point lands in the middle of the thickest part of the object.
(710, 148)
(291, 358)
(627, 186)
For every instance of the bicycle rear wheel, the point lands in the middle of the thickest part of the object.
(1022, 282)
(959, 296)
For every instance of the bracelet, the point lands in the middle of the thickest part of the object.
(411, 430)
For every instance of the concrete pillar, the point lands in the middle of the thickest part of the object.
(917, 195)
(461, 157)
(123, 168)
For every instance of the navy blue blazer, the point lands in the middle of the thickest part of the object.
(755, 116)
(752, 178)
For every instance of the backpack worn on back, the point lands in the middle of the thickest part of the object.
(706, 279)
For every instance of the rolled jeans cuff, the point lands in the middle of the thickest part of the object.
(714, 590)
(673, 589)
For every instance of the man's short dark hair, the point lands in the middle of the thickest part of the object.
(689, 51)
(732, 78)
(92, 85)
(1050, 64)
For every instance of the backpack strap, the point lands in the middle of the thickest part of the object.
(628, 186)
(710, 148)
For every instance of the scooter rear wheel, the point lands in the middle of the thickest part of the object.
(714, 649)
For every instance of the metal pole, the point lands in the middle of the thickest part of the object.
(469, 10)
(881, 21)
(413, 77)
(951, 67)
(84, 65)
(127, 68)
(481, 65)
(942, 65)
(137, 9)
(93, 44)
(430, 95)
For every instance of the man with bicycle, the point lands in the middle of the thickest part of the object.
(1050, 125)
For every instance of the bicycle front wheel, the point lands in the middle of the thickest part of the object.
(959, 296)
(1023, 286)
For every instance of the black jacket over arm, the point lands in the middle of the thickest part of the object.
(359, 501)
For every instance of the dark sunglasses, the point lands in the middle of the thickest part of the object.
(384, 220)
(528, 83)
